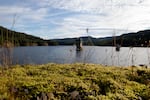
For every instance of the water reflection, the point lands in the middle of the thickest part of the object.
(89, 54)
(79, 55)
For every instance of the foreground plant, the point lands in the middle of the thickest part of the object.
(74, 81)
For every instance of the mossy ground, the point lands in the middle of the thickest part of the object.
(60, 81)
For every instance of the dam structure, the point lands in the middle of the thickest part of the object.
(79, 44)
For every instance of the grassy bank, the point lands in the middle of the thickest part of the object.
(70, 81)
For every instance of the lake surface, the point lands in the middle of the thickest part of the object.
(90, 54)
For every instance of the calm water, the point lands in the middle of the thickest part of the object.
(90, 54)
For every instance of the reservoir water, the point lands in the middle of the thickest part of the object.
(90, 54)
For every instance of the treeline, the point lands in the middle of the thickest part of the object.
(21, 39)
(139, 39)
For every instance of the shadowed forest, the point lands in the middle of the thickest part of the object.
(139, 39)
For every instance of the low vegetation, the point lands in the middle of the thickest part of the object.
(74, 82)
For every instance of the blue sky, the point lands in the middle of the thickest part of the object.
(51, 19)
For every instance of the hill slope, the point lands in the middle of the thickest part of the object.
(20, 39)
(141, 38)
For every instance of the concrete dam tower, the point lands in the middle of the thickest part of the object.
(78, 44)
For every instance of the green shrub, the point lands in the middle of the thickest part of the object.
(58, 81)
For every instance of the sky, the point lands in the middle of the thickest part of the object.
(51, 19)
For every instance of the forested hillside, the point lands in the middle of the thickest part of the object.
(141, 38)
(21, 39)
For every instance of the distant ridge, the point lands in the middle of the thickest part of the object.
(138, 39)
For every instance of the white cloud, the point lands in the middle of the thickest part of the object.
(11, 9)
(24, 12)
(127, 14)
(80, 14)
(25, 16)
(95, 6)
